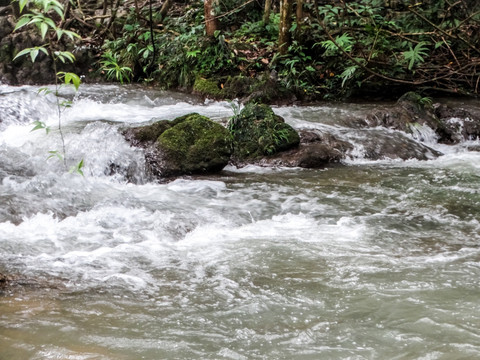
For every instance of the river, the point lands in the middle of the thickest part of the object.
(364, 260)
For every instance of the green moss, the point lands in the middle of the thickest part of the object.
(151, 132)
(207, 87)
(257, 131)
(6, 53)
(195, 145)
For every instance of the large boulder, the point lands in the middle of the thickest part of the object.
(316, 150)
(191, 144)
(258, 132)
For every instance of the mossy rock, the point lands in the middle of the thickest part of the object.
(193, 145)
(148, 133)
(208, 87)
(238, 86)
(257, 131)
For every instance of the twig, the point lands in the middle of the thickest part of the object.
(451, 52)
(233, 10)
(443, 31)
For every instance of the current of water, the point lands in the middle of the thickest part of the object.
(367, 260)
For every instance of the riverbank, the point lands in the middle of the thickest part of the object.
(170, 49)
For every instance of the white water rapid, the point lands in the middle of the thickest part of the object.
(367, 260)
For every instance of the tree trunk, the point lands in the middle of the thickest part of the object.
(211, 22)
(299, 15)
(266, 12)
(284, 36)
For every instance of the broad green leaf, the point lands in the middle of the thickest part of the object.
(42, 49)
(33, 54)
(24, 20)
(70, 78)
(50, 22)
(22, 4)
(40, 125)
(43, 30)
(22, 53)
(71, 34)
(57, 7)
(59, 33)
(65, 55)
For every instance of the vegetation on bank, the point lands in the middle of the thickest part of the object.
(269, 50)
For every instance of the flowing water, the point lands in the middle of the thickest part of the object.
(367, 260)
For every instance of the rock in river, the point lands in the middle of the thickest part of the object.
(191, 144)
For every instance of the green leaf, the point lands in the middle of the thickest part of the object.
(65, 55)
(39, 125)
(71, 34)
(43, 30)
(44, 90)
(70, 78)
(348, 73)
(416, 55)
(77, 168)
(24, 20)
(50, 22)
(22, 53)
(66, 104)
(57, 7)
(22, 4)
(44, 50)
(33, 54)
(55, 153)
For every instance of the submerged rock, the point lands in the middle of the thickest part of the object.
(4, 280)
(191, 144)
(257, 132)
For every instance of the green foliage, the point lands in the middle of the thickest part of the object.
(69, 78)
(348, 73)
(257, 131)
(343, 42)
(416, 55)
(393, 40)
(33, 52)
(338, 48)
(113, 70)
(77, 168)
(39, 125)
(426, 101)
